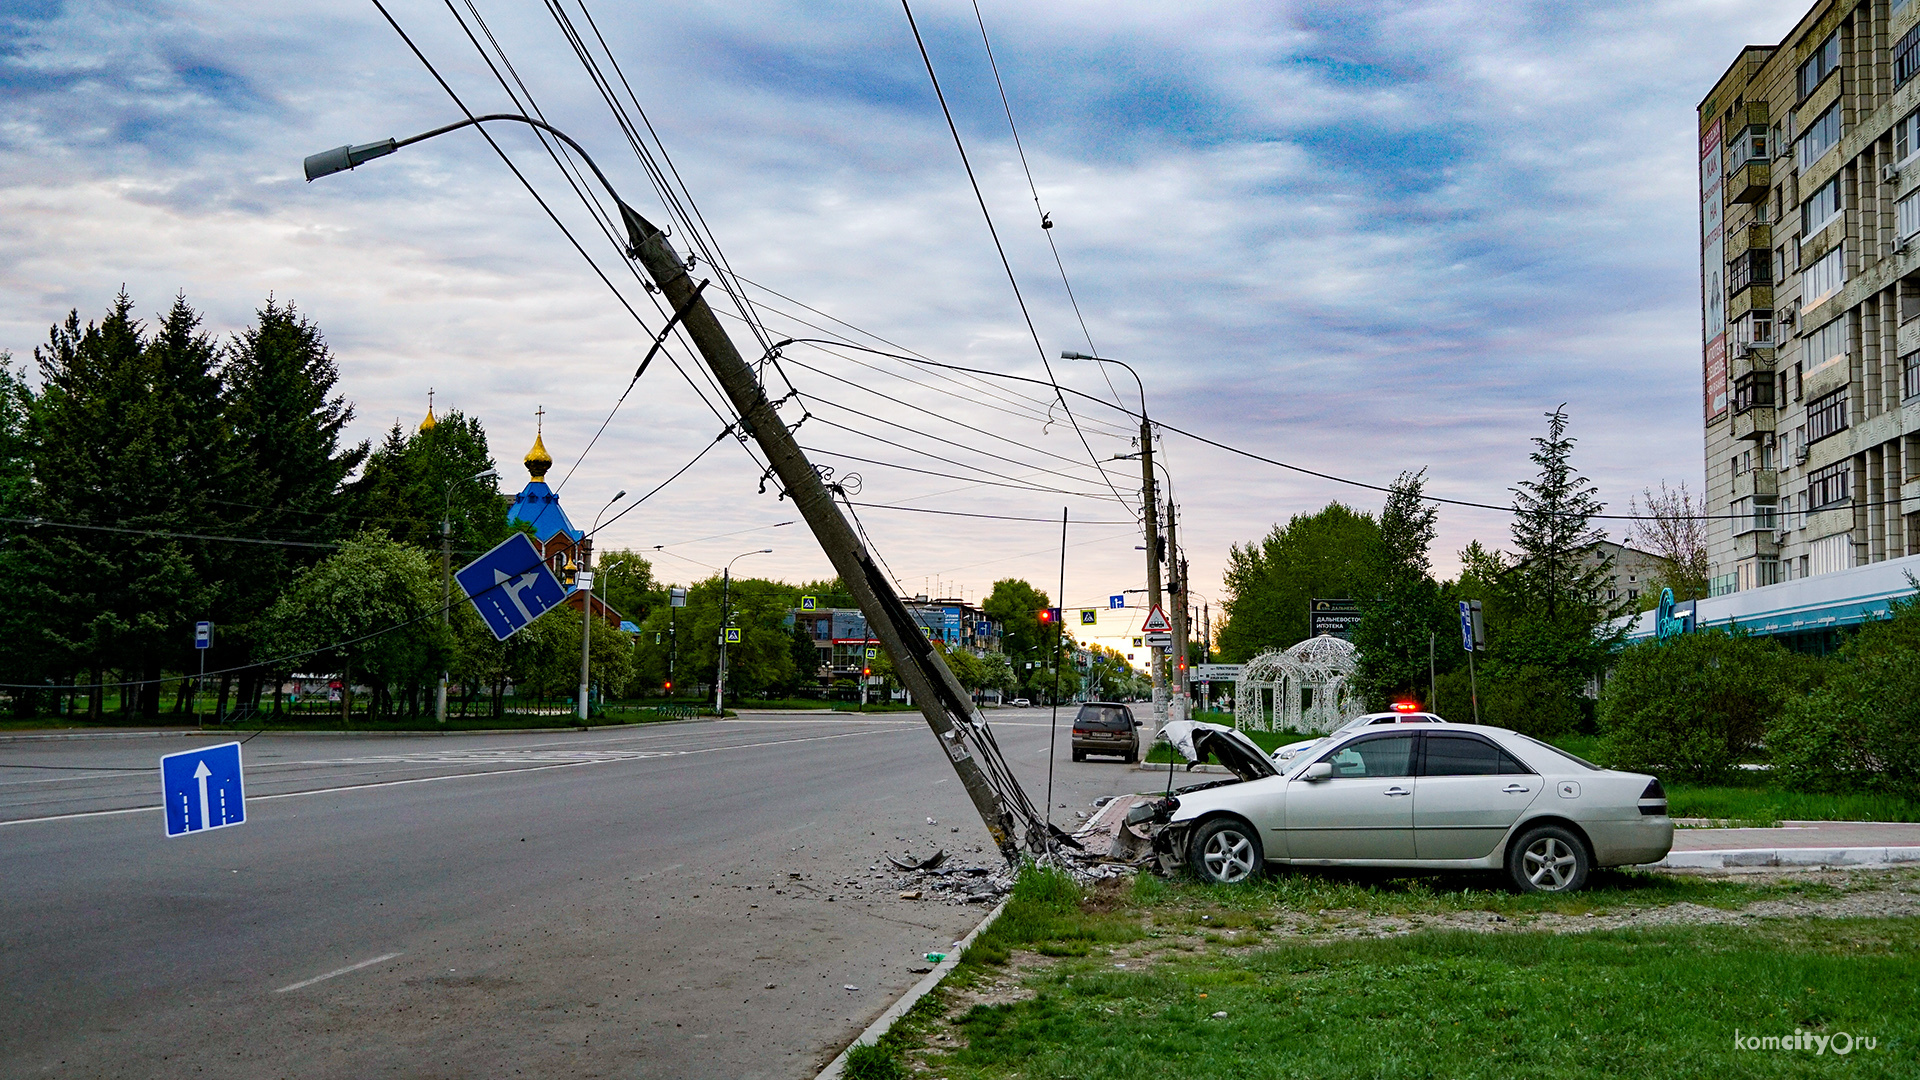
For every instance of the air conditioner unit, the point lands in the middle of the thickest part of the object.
(1800, 455)
(1788, 315)
(1903, 245)
(1889, 173)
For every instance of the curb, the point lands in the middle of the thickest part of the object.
(1790, 857)
(912, 997)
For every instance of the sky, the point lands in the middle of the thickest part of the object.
(1361, 239)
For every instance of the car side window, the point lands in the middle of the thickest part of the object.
(1390, 755)
(1465, 755)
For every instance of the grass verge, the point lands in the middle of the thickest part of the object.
(1144, 980)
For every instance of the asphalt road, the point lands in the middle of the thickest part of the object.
(684, 900)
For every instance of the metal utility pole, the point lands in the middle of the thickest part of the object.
(1182, 705)
(964, 736)
(586, 618)
(726, 622)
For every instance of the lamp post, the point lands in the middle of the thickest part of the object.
(586, 620)
(1149, 501)
(446, 583)
(720, 678)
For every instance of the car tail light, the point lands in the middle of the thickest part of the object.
(1653, 801)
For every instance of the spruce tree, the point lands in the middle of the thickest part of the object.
(1405, 611)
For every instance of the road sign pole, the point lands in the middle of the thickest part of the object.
(1150, 500)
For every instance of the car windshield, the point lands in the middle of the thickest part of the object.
(1575, 758)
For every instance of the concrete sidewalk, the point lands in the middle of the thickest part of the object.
(1797, 843)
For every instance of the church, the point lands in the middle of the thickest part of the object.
(564, 547)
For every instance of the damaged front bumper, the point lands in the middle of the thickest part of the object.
(1170, 846)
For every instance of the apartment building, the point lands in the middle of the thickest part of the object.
(1810, 266)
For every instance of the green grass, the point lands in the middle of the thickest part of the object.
(1660, 1001)
(1770, 805)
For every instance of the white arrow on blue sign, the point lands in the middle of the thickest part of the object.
(201, 789)
(510, 586)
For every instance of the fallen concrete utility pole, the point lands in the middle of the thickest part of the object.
(963, 735)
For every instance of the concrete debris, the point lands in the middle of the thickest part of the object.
(910, 894)
(849, 987)
(1221, 1015)
(910, 863)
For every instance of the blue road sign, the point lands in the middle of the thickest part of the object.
(1466, 627)
(202, 635)
(200, 789)
(1117, 601)
(510, 586)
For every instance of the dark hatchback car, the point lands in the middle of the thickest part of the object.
(1106, 727)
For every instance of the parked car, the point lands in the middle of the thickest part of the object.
(1020, 703)
(1398, 716)
(1466, 797)
(1106, 727)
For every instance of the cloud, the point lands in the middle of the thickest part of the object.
(1359, 238)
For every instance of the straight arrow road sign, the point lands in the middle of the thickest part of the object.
(202, 789)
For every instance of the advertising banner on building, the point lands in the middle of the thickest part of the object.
(1713, 272)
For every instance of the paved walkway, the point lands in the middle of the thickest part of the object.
(1798, 843)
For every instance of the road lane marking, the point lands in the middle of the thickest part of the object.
(456, 776)
(339, 971)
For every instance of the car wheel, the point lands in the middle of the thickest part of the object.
(1079, 755)
(1133, 756)
(1226, 851)
(1548, 859)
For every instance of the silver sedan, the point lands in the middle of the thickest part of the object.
(1462, 797)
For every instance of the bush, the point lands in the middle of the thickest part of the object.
(1860, 731)
(1531, 700)
(1696, 704)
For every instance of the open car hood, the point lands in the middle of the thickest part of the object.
(1198, 741)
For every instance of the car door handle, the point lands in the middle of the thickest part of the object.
(1515, 789)
(1396, 790)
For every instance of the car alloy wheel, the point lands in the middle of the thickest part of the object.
(1549, 859)
(1227, 852)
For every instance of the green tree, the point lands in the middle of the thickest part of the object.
(763, 661)
(127, 436)
(1016, 605)
(625, 581)
(1270, 584)
(290, 463)
(1860, 729)
(1405, 611)
(367, 610)
(408, 479)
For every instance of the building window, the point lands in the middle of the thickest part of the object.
(1906, 216)
(1910, 375)
(1828, 554)
(1754, 514)
(1753, 390)
(1830, 486)
(1821, 64)
(1824, 346)
(1906, 56)
(1821, 136)
(1819, 211)
(1906, 136)
(1824, 276)
(1826, 415)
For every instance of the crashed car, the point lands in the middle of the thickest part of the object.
(1466, 797)
(1397, 716)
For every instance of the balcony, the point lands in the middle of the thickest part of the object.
(1755, 423)
(1762, 484)
(1749, 182)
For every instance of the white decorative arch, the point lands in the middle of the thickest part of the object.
(1308, 683)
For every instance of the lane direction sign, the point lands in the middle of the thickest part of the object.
(1117, 602)
(201, 789)
(510, 586)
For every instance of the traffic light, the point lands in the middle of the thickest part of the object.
(669, 686)
(1049, 615)
(866, 671)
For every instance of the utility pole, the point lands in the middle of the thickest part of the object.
(586, 618)
(1150, 499)
(446, 602)
(968, 742)
(1182, 705)
(720, 676)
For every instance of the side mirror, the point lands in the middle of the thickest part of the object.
(1319, 770)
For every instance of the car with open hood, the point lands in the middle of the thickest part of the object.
(1417, 797)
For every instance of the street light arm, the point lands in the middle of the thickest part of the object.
(1070, 355)
(343, 158)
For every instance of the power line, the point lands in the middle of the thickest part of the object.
(967, 514)
(1005, 264)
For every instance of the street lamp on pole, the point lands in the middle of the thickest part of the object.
(1150, 505)
(586, 619)
(446, 582)
(720, 678)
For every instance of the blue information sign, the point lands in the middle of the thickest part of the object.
(510, 586)
(1117, 601)
(201, 789)
(203, 635)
